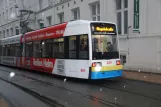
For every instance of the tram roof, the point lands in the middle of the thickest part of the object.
(11, 40)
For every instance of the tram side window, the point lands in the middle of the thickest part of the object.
(58, 48)
(84, 47)
(7, 50)
(12, 50)
(17, 50)
(29, 50)
(47, 49)
(37, 47)
(72, 47)
(0, 50)
(4, 50)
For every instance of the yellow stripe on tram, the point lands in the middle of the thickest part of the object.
(108, 68)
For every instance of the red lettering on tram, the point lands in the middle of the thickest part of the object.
(83, 70)
(46, 33)
(109, 62)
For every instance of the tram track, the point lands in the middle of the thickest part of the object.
(105, 86)
(85, 95)
(50, 102)
(105, 102)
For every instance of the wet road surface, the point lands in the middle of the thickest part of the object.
(15, 97)
(82, 93)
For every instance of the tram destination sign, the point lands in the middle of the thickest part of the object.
(103, 29)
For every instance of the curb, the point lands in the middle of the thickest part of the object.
(144, 77)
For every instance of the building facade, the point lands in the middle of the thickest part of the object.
(138, 23)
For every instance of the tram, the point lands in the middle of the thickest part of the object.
(80, 49)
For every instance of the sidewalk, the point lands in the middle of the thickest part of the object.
(143, 76)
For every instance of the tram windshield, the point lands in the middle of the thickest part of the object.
(104, 41)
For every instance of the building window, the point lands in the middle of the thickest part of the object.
(61, 17)
(3, 16)
(41, 24)
(4, 35)
(125, 22)
(95, 8)
(8, 33)
(0, 34)
(76, 13)
(40, 5)
(119, 22)
(68, 4)
(118, 4)
(122, 16)
(125, 3)
(62, 6)
(49, 20)
(7, 14)
(11, 32)
(74, 2)
(17, 30)
(81, 0)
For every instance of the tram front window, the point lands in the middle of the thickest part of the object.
(105, 47)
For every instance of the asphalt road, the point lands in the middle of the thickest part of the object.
(81, 93)
(15, 97)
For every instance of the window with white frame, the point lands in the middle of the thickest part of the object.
(8, 33)
(0, 35)
(4, 35)
(40, 23)
(122, 16)
(17, 30)
(7, 14)
(95, 9)
(11, 32)
(3, 16)
(49, 18)
(61, 17)
(76, 13)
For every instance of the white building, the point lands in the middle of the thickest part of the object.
(138, 23)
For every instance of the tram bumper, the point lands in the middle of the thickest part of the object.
(107, 72)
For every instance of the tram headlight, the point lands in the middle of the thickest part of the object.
(96, 64)
(98, 68)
